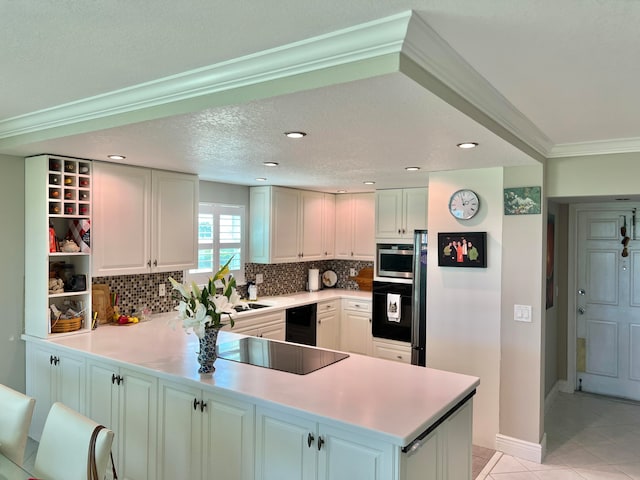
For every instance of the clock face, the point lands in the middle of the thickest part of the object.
(464, 204)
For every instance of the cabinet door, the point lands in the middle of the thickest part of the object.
(356, 334)
(273, 331)
(180, 432)
(328, 326)
(120, 234)
(285, 214)
(348, 456)
(363, 226)
(415, 210)
(70, 382)
(228, 439)
(102, 396)
(282, 447)
(311, 234)
(329, 225)
(53, 377)
(40, 385)
(174, 223)
(343, 227)
(389, 222)
(138, 401)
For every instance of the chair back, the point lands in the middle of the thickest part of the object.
(64, 446)
(16, 411)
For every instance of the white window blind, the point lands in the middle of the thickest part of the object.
(221, 235)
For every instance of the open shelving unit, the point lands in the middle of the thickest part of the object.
(57, 195)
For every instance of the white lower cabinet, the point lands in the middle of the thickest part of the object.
(355, 327)
(202, 435)
(392, 350)
(125, 401)
(52, 376)
(268, 325)
(445, 454)
(290, 447)
(328, 325)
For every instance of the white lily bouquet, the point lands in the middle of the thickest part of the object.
(202, 309)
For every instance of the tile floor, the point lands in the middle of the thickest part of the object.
(588, 438)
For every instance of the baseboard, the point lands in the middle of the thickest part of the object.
(533, 452)
(565, 387)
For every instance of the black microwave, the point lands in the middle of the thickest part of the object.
(394, 260)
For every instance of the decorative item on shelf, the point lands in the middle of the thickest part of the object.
(201, 311)
(69, 246)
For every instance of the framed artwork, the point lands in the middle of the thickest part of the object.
(462, 249)
(522, 201)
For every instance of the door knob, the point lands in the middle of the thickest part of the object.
(581, 310)
(582, 292)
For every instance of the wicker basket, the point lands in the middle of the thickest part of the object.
(63, 325)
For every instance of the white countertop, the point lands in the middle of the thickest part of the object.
(397, 401)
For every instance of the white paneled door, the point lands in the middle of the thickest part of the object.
(608, 304)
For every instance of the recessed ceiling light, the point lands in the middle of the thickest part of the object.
(295, 134)
(270, 164)
(341, 191)
(412, 169)
(369, 182)
(468, 145)
(117, 157)
(261, 179)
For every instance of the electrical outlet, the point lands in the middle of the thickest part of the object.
(162, 290)
(352, 272)
(259, 278)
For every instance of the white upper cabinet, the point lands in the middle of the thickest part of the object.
(355, 226)
(288, 225)
(399, 212)
(145, 220)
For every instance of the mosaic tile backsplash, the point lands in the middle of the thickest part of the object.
(135, 291)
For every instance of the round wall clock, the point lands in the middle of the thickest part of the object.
(464, 204)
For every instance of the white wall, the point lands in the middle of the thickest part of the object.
(522, 344)
(593, 175)
(214, 192)
(463, 304)
(12, 356)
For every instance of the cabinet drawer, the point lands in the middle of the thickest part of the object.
(398, 352)
(329, 306)
(357, 305)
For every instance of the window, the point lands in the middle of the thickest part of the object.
(220, 237)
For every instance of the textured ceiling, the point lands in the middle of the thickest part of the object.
(569, 66)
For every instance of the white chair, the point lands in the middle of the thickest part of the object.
(64, 446)
(16, 410)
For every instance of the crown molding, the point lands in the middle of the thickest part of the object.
(432, 53)
(353, 44)
(602, 147)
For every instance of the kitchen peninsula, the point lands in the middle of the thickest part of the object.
(359, 418)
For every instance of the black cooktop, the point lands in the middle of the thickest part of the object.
(287, 357)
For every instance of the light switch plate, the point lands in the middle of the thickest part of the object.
(259, 278)
(522, 313)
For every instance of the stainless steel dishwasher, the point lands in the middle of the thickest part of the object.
(301, 324)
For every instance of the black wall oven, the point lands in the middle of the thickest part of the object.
(386, 324)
